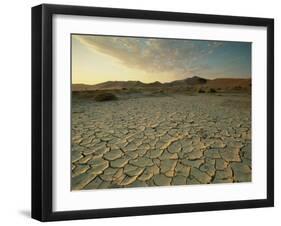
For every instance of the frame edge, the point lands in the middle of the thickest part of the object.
(270, 112)
(41, 192)
(36, 68)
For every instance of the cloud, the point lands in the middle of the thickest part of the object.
(179, 57)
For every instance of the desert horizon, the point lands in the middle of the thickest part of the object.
(221, 83)
(219, 78)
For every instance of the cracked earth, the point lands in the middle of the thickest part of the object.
(155, 141)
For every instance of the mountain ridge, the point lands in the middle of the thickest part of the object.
(194, 81)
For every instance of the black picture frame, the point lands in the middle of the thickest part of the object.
(42, 196)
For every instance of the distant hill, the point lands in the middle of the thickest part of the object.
(228, 83)
(195, 81)
(109, 85)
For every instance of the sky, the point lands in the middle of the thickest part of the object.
(97, 59)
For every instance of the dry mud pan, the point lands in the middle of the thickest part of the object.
(155, 141)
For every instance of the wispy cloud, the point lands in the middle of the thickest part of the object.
(181, 57)
(178, 58)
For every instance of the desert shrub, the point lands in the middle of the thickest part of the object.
(201, 91)
(154, 93)
(159, 91)
(105, 97)
(212, 90)
(237, 88)
(133, 90)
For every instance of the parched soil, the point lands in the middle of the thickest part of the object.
(163, 140)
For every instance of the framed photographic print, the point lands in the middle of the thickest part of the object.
(145, 112)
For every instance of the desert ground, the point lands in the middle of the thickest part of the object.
(157, 139)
